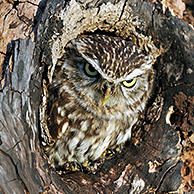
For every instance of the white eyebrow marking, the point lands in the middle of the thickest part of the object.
(95, 64)
(134, 73)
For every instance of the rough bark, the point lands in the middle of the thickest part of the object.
(159, 157)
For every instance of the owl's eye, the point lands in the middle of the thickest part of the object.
(130, 83)
(89, 70)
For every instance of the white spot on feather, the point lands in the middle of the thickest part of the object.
(65, 125)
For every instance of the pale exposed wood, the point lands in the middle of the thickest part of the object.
(16, 21)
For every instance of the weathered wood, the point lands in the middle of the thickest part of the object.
(159, 157)
(16, 21)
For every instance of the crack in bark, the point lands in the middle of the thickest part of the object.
(20, 93)
(17, 171)
(18, 142)
(17, 91)
(13, 3)
(2, 53)
(6, 15)
(21, 18)
(32, 3)
(152, 146)
(165, 173)
(155, 190)
(12, 180)
(123, 9)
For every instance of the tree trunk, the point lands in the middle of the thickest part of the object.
(160, 155)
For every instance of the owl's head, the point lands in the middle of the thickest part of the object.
(107, 75)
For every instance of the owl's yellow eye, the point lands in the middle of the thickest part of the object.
(130, 83)
(90, 71)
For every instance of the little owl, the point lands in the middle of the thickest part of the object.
(99, 89)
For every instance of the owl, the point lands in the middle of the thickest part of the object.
(100, 87)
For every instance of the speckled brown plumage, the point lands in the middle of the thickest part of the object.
(91, 107)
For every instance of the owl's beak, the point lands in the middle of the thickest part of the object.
(106, 95)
